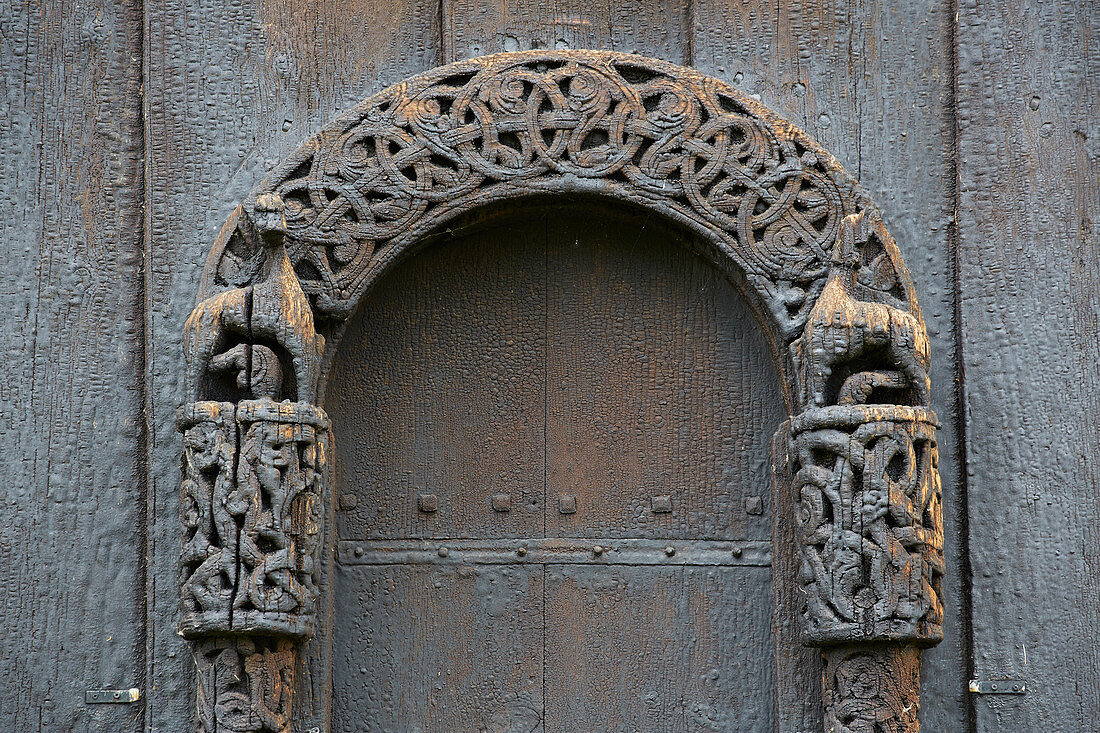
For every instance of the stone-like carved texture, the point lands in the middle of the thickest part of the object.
(661, 136)
(870, 523)
(776, 210)
(245, 685)
(873, 689)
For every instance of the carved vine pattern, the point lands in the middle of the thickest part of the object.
(778, 213)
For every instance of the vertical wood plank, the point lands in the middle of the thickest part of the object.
(231, 89)
(71, 584)
(659, 28)
(1029, 194)
(439, 648)
(659, 384)
(439, 389)
(872, 81)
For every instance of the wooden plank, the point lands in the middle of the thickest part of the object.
(438, 649)
(872, 81)
(661, 387)
(616, 649)
(231, 89)
(730, 682)
(658, 28)
(1029, 194)
(439, 390)
(659, 649)
(71, 589)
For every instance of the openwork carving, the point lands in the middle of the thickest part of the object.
(661, 136)
(776, 211)
(870, 523)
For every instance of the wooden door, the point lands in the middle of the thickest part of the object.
(555, 508)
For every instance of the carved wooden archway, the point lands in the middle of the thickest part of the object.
(779, 215)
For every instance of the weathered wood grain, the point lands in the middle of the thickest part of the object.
(230, 90)
(660, 383)
(526, 355)
(1029, 297)
(872, 83)
(439, 649)
(658, 649)
(71, 583)
(439, 389)
(657, 28)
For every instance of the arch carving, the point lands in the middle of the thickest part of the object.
(777, 213)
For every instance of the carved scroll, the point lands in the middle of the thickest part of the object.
(254, 473)
(773, 209)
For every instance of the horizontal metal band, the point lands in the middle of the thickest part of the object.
(574, 551)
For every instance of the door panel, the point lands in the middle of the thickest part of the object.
(661, 398)
(444, 647)
(440, 392)
(590, 405)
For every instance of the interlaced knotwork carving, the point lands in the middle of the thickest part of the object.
(662, 136)
(773, 208)
(245, 685)
(252, 498)
(870, 524)
(208, 561)
(280, 484)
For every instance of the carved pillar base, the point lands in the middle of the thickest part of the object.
(871, 688)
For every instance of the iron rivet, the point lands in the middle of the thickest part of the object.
(118, 695)
(994, 685)
(522, 551)
(427, 503)
(670, 550)
(443, 552)
(358, 552)
(737, 551)
(567, 504)
(597, 550)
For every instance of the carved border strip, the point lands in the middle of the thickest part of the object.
(778, 212)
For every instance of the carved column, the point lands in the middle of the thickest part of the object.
(253, 489)
(864, 465)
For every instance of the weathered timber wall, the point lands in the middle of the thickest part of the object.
(1029, 300)
(979, 143)
(72, 594)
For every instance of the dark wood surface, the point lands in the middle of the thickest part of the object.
(577, 351)
(1029, 267)
(71, 420)
(1009, 297)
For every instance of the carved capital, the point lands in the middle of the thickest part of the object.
(869, 523)
(252, 495)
